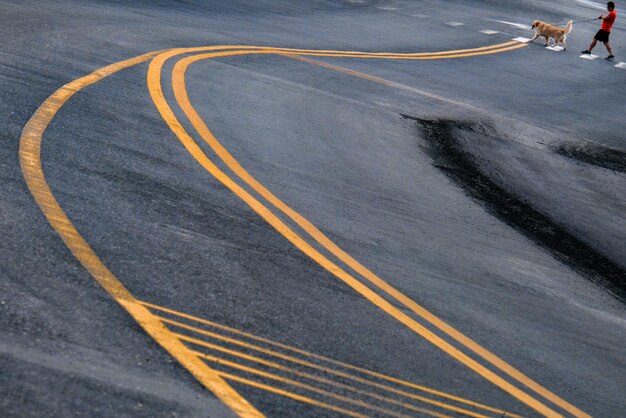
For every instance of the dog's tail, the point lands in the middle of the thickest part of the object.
(568, 27)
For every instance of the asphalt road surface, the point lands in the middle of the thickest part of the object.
(310, 208)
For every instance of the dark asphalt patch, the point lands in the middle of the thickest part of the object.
(595, 154)
(449, 156)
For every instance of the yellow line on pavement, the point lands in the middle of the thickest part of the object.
(359, 54)
(288, 394)
(310, 388)
(331, 361)
(322, 380)
(516, 374)
(156, 91)
(178, 82)
(363, 271)
(385, 82)
(297, 361)
(384, 54)
(416, 57)
(30, 159)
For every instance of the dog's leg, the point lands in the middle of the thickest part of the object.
(537, 35)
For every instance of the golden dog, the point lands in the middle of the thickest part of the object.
(558, 35)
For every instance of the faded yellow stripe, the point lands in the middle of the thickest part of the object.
(30, 159)
(287, 394)
(310, 388)
(322, 380)
(328, 360)
(294, 360)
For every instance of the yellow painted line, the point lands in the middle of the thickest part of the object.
(383, 81)
(291, 395)
(335, 362)
(330, 52)
(319, 379)
(310, 388)
(31, 166)
(154, 85)
(417, 58)
(319, 237)
(303, 363)
(398, 54)
(178, 82)
(30, 159)
(297, 361)
(516, 374)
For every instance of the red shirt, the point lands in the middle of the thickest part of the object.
(607, 22)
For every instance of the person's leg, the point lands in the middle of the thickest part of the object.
(592, 44)
(608, 47)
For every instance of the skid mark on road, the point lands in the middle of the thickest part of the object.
(155, 326)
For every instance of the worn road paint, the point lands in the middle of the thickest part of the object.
(330, 371)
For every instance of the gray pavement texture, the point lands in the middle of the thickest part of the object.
(543, 129)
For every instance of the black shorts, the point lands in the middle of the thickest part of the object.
(602, 36)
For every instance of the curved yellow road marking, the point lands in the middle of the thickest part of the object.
(399, 54)
(413, 57)
(178, 81)
(154, 84)
(459, 53)
(30, 160)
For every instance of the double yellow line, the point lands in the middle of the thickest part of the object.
(180, 92)
(31, 165)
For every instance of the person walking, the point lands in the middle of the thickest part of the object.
(605, 31)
